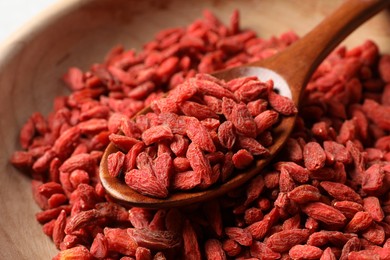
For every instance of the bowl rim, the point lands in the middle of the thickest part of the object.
(34, 25)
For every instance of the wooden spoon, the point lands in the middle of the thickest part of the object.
(290, 70)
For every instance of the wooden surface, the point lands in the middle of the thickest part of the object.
(80, 32)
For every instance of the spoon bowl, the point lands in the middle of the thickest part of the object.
(290, 70)
(123, 194)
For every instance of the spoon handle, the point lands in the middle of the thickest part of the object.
(305, 55)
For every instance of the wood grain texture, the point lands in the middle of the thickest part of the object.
(80, 32)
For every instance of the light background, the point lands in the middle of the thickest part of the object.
(15, 13)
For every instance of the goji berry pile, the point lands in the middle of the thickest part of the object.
(324, 197)
(197, 135)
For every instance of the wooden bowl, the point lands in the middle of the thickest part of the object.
(79, 33)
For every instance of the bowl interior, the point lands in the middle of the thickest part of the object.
(80, 33)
